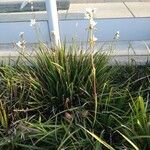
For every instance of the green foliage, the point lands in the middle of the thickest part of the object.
(72, 99)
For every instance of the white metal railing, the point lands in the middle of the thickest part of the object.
(53, 21)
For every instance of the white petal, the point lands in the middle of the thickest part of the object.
(91, 11)
(94, 39)
(24, 42)
(19, 44)
(21, 33)
(87, 16)
(32, 22)
(118, 32)
(92, 23)
(117, 35)
(88, 10)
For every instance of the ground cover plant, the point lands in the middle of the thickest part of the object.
(73, 99)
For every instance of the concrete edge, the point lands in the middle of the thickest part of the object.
(42, 16)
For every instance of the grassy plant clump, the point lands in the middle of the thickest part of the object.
(72, 99)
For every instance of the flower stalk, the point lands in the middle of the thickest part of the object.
(91, 26)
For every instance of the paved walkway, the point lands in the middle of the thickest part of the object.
(110, 9)
(105, 1)
(104, 8)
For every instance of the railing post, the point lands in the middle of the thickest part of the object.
(52, 14)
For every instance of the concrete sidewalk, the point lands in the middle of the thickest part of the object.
(104, 8)
(77, 11)
(106, 1)
(109, 10)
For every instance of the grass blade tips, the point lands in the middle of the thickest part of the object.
(129, 141)
(98, 138)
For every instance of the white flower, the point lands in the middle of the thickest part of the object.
(21, 44)
(87, 16)
(94, 39)
(89, 13)
(24, 3)
(117, 35)
(90, 10)
(32, 22)
(21, 34)
(92, 23)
